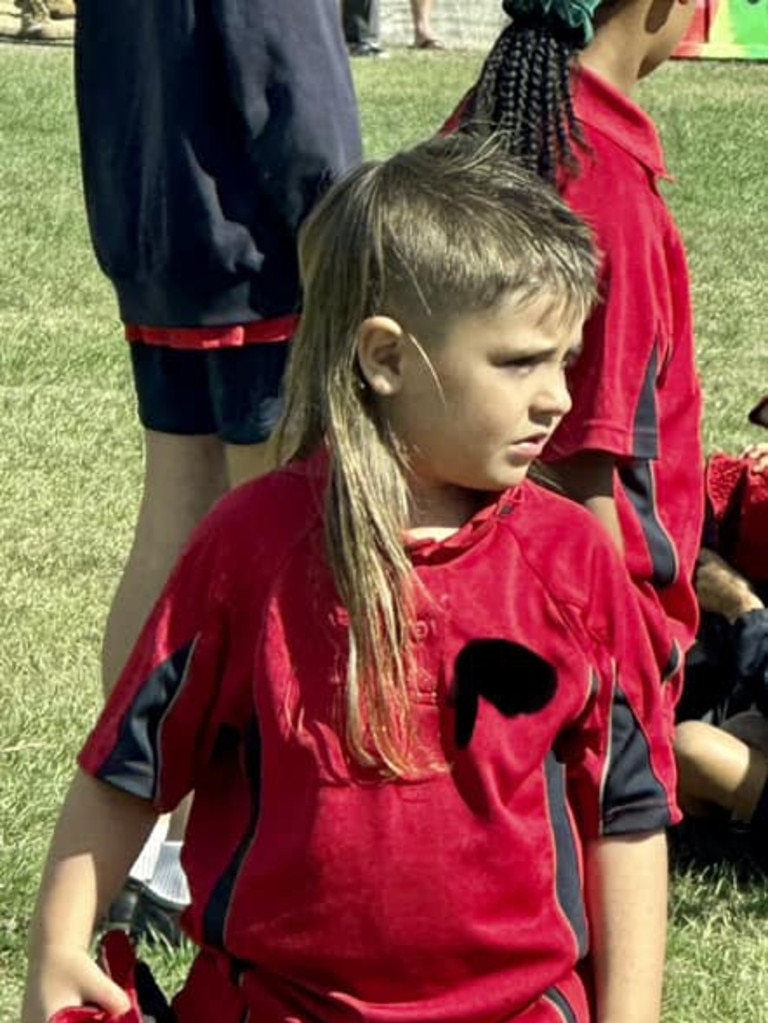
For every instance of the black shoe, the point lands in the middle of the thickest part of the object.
(367, 49)
(119, 916)
(155, 921)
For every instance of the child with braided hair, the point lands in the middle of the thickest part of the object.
(557, 88)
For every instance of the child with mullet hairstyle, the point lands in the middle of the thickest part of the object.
(409, 688)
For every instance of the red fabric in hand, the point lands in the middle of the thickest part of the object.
(118, 960)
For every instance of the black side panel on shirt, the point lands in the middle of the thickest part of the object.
(637, 480)
(134, 763)
(630, 778)
(562, 1006)
(567, 880)
(215, 916)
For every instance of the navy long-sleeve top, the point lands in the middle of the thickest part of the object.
(208, 128)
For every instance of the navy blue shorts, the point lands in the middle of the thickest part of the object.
(234, 392)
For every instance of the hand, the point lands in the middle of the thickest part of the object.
(757, 455)
(63, 976)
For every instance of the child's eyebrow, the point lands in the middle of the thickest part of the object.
(536, 351)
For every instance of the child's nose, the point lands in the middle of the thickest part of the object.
(555, 398)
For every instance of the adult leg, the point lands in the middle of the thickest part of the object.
(234, 395)
(249, 461)
(184, 476)
(185, 473)
(360, 20)
(424, 37)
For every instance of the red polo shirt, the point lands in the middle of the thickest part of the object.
(322, 894)
(635, 389)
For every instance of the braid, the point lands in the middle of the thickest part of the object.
(523, 95)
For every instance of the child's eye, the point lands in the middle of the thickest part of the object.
(524, 362)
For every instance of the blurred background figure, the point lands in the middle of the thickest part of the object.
(360, 19)
(424, 37)
(721, 739)
(46, 20)
(207, 132)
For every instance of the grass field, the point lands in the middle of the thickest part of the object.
(70, 456)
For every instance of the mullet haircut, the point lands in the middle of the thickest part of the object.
(447, 228)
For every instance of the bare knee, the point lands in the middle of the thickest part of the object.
(691, 747)
(716, 768)
(692, 739)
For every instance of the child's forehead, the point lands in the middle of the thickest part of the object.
(544, 307)
(514, 317)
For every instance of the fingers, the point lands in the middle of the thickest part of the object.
(66, 979)
(99, 990)
(757, 455)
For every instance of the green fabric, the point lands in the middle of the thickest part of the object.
(575, 15)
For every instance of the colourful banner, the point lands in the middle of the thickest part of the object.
(728, 30)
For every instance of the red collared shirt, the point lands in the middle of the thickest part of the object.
(636, 392)
(321, 893)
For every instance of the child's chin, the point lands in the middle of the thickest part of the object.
(515, 474)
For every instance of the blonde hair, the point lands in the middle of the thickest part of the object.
(444, 229)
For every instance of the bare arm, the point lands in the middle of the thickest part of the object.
(721, 589)
(627, 906)
(588, 477)
(99, 834)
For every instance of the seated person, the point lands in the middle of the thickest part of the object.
(721, 738)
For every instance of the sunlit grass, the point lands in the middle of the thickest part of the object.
(70, 446)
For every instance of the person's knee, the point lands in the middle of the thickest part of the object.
(184, 477)
(716, 767)
(692, 740)
(693, 746)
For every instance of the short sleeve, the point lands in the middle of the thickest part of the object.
(619, 755)
(160, 723)
(613, 383)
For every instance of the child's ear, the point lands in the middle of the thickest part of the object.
(380, 348)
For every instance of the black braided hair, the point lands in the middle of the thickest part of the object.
(523, 95)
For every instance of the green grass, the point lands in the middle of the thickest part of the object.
(70, 447)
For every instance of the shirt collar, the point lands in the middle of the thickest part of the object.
(602, 107)
(316, 469)
(430, 551)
